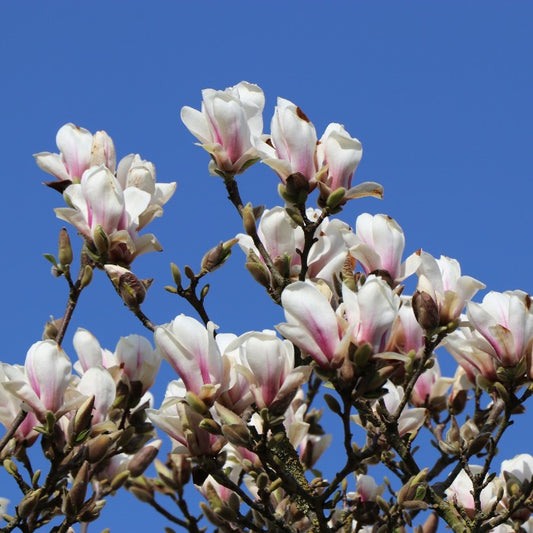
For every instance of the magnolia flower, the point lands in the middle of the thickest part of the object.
(79, 150)
(370, 312)
(292, 144)
(520, 467)
(133, 356)
(282, 237)
(410, 419)
(133, 171)
(406, 334)
(98, 382)
(10, 406)
(238, 396)
(228, 125)
(340, 154)
(312, 325)
(4, 502)
(137, 359)
(430, 388)
(178, 420)
(43, 381)
(107, 216)
(270, 369)
(192, 351)
(500, 335)
(378, 244)
(461, 491)
(367, 489)
(442, 280)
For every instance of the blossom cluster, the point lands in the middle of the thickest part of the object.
(241, 411)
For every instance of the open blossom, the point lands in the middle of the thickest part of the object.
(282, 237)
(10, 406)
(133, 356)
(341, 154)
(410, 419)
(313, 325)
(442, 280)
(430, 388)
(406, 334)
(520, 467)
(228, 125)
(378, 244)
(97, 382)
(178, 420)
(370, 312)
(98, 204)
(461, 491)
(193, 353)
(43, 380)
(133, 171)
(292, 145)
(270, 369)
(500, 335)
(79, 150)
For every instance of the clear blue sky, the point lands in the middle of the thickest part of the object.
(439, 93)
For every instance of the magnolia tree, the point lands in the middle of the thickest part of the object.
(243, 413)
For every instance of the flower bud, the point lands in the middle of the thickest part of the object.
(28, 503)
(86, 277)
(426, 310)
(131, 289)
(248, 220)
(143, 458)
(98, 447)
(76, 495)
(83, 416)
(336, 198)
(176, 274)
(257, 269)
(101, 240)
(65, 249)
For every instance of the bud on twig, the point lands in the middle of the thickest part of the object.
(143, 458)
(64, 249)
(176, 274)
(426, 310)
(86, 277)
(130, 288)
(248, 220)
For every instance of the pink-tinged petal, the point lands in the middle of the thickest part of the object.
(75, 146)
(49, 372)
(341, 153)
(312, 324)
(105, 199)
(191, 350)
(294, 138)
(278, 233)
(98, 382)
(231, 126)
(138, 360)
(18, 385)
(53, 164)
(252, 100)
(371, 311)
(88, 349)
(196, 122)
